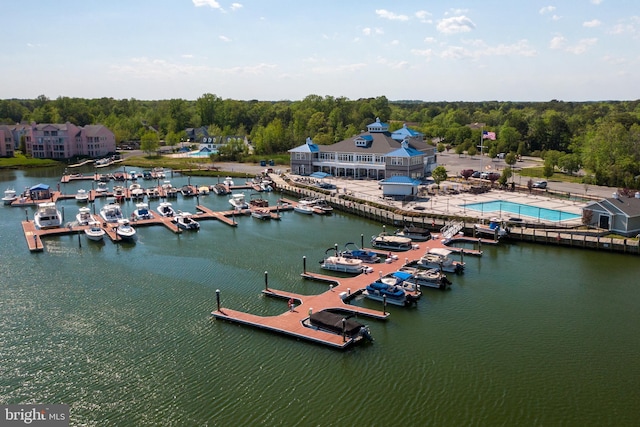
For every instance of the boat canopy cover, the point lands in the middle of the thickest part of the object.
(39, 187)
(333, 322)
(402, 275)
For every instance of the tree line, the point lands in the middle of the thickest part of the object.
(601, 138)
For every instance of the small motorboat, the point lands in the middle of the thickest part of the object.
(391, 242)
(82, 196)
(345, 265)
(84, 216)
(94, 232)
(166, 209)
(352, 251)
(9, 196)
(124, 230)
(142, 212)
(185, 221)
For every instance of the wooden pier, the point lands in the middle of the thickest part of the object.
(336, 298)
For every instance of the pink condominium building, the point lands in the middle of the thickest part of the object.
(63, 141)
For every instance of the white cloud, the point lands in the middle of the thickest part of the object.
(370, 31)
(211, 3)
(224, 39)
(339, 68)
(561, 43)
(456, 24)
(383, 13)
(558, 42)
(159, 69)
(596, 2)
(630, 26)
(236, 6)
(187, 56)
(556, 17)
(592, 24)
(428, 53)
(430, 40)
(423, 16)
(477, 49)
(546, 9)
(582, 46)
(253, 69)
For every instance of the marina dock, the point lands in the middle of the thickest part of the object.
(336, 298)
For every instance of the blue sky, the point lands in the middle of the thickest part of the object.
(508, 50)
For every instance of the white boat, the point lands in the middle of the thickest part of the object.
(136, 191)
(494, 229)
(124, 230)
(203, 190)
(345, 265)
(47, 216)
(169, 190)
(303, 208)
(82, 196)
(94, 232)
(142, 212)
(391, 242)
(119, 192)
(84, 216)
(323, 205)
(439, 258)
(153, 193)
(166, 209)
(261, 213)
(432, 278)
(9, 196)
(238, 201)
(417, 234)
(102, 189)
(111, 212)
(185, 221)
(228, 181)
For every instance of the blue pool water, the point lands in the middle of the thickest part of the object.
(199, 154)
(522, 210)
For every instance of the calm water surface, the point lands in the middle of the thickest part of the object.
(529, 335)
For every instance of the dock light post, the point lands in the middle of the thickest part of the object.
(344, 329)
(218, 299)
(361, 240)
(304, 264)
(479, 244)
(35, 240)
(266, 281)
(384, 304)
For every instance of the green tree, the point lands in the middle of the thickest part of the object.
(439, 174)
(149, 142)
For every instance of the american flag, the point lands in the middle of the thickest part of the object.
(489, 135)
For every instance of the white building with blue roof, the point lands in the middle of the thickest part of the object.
(374, 154)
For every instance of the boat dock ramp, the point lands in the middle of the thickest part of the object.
(294, 323)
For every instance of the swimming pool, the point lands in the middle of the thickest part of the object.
(200, 154)
(499, 206)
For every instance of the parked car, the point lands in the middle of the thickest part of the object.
(476, 174)
(540, 184)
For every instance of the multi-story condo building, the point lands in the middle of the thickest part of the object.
(7, 144)
(375, 154)
(63, 141)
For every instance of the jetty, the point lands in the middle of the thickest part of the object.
(295, 323)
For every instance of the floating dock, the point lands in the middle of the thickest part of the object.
(336, 299)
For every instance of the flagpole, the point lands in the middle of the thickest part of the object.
(481, 144)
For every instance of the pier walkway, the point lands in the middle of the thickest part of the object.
(336, 298)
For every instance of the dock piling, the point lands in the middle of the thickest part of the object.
(266, 281)
(384, 304)
(344, 329)
(304, 264)
(218, 299)
(26, 215)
